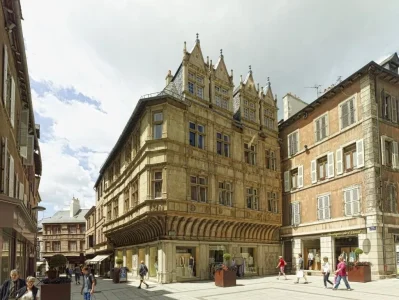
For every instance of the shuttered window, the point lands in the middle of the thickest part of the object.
(323, 207)
(348, 112)
(293, 143)
(352, 201)
(295, 213)
(321, 128)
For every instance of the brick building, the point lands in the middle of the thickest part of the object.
(64, 233)
(341, 171)
(20, 157)
(195, 174)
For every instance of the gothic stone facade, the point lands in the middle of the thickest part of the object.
(195, 174)
(341, 171)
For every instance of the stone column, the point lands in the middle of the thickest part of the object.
(327, 250)
(203, 262)
(296, 249)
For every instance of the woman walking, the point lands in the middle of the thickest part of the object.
(281, 265)
(326, 272)
(341, 274)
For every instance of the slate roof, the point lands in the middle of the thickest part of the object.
(62, 216)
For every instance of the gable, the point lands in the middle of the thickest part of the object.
(221, 71)
(196, 58)
(269, 96)
(249, 84)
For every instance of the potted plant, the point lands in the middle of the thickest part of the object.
(117, 270)
(55, 287)
(119, 261)
(225, 274)
(359, 271)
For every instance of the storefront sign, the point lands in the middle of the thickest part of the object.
(372, 228)
(345, 233)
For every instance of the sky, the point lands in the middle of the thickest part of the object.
(91, 60)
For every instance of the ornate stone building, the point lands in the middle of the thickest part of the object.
(341, 172)
(195, 174)
(20, 156)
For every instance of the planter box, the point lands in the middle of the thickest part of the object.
(359, 274)
(225, 278)
(55, 291)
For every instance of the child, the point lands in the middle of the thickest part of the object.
(281, 265)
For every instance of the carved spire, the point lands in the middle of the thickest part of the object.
(250, 69)
(197, 39)
(231, 73)
(240, 78)
(221, 52)
(185, 47)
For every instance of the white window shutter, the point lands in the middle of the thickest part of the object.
(21, 191)
(298, 216)
(348, 202)
(395, 155)
(313, 167)
(327, 213)
(330, 164)
(12, 117)
(11, 179)
(5, 69)
(4, 165)
(300, 176)
(289, 141)
(320, 208)
(360, 153)
(287, 181)
(383, 158)
(23, 133)
(394, 110)
(340, 165)
(297, 141)
(29, 159)
(355, 201)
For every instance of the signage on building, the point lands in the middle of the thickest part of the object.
(345, 233)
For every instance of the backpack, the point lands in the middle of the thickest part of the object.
(143, 270)
(91, 280)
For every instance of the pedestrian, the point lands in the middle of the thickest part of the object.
(89, 282)
(142, 272)
(281, 265)
(11, 286)
(67, 272)
(30, 291)
(341, 274)
(300, 269)
(326, 272)
(77, 274)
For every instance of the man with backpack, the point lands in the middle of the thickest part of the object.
(89, 282)
(281, 265)
(143, 272)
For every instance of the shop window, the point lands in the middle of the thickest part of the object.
(222, 144)
(389, 152)
(250, 154)
(197, 135)
(323, 207)
(352, 201)
(248, 254)
(115, 208)
(391, 198)
(198, 186)
(157, 184)
(295, 213)
(186, 262)
(252, 198)
(157, 123)
(293, 143)
(272, 202)
(348, 112)
(225, 193)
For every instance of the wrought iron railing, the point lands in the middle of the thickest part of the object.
(164, 93)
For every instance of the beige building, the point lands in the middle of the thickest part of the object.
(195, 174)
(64, 233)
(20, 156)
(340, 171)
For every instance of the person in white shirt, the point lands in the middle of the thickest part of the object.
(30, 291)
(310, 260)
(326, 272)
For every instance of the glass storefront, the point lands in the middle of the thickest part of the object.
(5, 262)
(346, 247)
(152, 268)
(215, 258)
(311, 254)
(248, 266)
(185, 262)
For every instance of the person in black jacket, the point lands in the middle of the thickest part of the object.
(10, 287)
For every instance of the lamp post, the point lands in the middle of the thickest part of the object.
(36, 208)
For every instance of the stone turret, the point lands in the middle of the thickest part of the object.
(75, 207)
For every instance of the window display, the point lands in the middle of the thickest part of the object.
(248, 265)
(215, 258)
(345, 247)
(185, 262)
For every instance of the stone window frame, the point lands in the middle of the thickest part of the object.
(225, 193)
(324, 206)
(271, 160)
(272, 202)
(197, 134)
(221, 140)
(156, 123)
(196, 84)
(115, 207)
(295, 172)
(134, 192)
(319, 137)
(389, 107)
(222, 94)
(156, 183)
(250, 154)
(393, 152)
(295, 213)
(269, 118)
(391, 198)
(252, 198)
(198, 184)
(126, 200)
(109, 211)
(70, 243)
(249, 106)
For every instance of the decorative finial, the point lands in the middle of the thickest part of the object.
(185, 47)
(250, 68)
(231, 73)
(197, 38)
(240, 78)
(258, 86)
(221, 52)
(268, 79)
(269, 84)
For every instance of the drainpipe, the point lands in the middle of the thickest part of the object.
(384, 256)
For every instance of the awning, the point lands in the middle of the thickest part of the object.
(39, 263)
(99, 258)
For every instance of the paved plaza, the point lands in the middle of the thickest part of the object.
(252, 288)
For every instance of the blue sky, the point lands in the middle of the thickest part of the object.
(88, 70)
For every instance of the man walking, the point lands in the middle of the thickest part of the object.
(143, 272)
(300, 269)
(341, 274)
(77, 274)
(10, 287)
(89, 282)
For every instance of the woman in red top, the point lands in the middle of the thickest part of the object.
(281, 265)
(341, 274)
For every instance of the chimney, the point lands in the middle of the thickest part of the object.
(169, 77)
(75, 207)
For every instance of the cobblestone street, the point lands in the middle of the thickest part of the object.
(254, 288)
